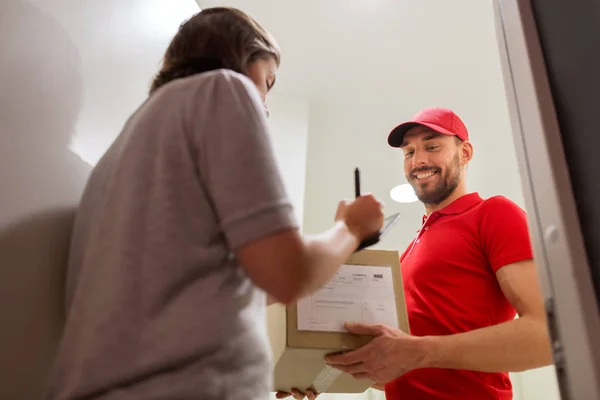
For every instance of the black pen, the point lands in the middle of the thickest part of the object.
(356, 182)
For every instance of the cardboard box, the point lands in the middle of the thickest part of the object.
(299, 355)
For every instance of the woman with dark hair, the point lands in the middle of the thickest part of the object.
(185, 225)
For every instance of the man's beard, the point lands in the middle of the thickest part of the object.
(443, 189)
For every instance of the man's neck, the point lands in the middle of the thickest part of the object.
(458, 193)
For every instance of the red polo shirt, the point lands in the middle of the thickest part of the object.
(451, 287)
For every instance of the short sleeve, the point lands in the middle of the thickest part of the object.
(504, 232)
(236, 161)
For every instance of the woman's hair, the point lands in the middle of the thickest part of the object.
(214, 38)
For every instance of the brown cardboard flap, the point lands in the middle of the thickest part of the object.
(300, 369)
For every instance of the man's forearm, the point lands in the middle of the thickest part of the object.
(513, 346)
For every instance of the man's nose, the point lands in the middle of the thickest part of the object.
(419, 159)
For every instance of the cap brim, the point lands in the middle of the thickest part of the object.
(396, 136)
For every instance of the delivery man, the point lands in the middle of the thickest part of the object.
(467, 274)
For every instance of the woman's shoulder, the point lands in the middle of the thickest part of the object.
(226, 76)
(213, 95)
(217, 82)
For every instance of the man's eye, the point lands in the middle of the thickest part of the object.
(432, 147)
(408, 154)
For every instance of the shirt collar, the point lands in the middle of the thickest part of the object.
(459, 205)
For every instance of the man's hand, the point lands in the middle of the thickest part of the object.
(390, 354)
(298, 395)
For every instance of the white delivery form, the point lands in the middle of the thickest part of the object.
(357, 293)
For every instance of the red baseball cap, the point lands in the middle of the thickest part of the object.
(441, 120)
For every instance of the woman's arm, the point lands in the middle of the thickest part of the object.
(288, 266)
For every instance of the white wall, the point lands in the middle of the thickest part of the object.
(69, 69)
(289, 128)
(121, 44)
(539, 384)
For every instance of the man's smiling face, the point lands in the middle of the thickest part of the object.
(432, 163)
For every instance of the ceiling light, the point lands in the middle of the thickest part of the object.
(403, 194)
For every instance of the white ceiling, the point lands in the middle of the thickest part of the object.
(360, 46)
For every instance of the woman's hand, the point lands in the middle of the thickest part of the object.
(363, 216)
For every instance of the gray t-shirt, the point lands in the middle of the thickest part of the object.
(157, 305)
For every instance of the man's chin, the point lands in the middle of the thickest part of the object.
(427, 197)
(423, 197)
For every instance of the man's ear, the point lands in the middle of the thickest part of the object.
(466, 152)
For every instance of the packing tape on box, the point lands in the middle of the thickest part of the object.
(325, 378)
